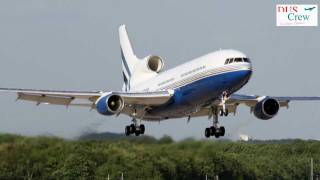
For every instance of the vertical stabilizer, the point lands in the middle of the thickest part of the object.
(129, 59)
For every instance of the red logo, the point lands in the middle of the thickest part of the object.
(286, 9)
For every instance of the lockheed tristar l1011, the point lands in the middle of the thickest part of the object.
(205, 86)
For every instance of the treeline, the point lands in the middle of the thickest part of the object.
(149, 158)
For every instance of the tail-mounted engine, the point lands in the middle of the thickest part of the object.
(266, 108)
(154, 63)
(146, 68)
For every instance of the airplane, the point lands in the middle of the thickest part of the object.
(309, 9)
(205, 86)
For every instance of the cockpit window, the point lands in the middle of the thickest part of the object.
(236, 60)
(246, 60)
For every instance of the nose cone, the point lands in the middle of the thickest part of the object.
(246, 75)
(237, 79)
(243, 75)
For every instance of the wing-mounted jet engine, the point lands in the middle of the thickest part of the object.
(110, 104)
(266, 108)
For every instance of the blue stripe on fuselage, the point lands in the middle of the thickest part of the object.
(124, 61)
(192, 95)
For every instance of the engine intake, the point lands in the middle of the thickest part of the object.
(110, 104)
(266, 109)
(155, 63)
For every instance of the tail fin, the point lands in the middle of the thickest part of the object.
(129, 59)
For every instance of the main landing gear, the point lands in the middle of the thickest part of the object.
(134, 129)
(215, 130)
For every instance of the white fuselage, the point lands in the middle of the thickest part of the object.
(196, 83)
(178, 76)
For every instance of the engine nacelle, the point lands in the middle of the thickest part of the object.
(154, 63)
(266, 108)
(110, 104)
(145, 69)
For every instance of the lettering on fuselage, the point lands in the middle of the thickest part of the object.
(182, 75)
(193, 71)
(166, 81)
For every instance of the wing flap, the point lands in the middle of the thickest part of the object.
(207, 111)
(39, 98)
(147, 98)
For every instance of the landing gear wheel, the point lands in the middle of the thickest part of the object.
(127, 131)
(142, 129)
(222, 131)
(132, 128)
(212, 130)
(137, 132)
(207, 132)
(216, 135)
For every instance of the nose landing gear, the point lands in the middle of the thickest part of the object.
(224, 112)
(223, 99)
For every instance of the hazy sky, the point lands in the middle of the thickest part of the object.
(73, 45)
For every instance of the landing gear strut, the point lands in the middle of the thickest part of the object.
(223, 112)
(223, 98)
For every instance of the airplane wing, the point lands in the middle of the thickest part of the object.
(88, 98)
(66, 98)
(252, 100)
(249, 100)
